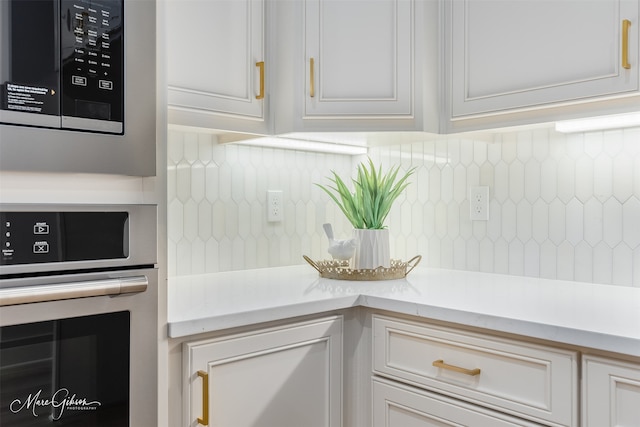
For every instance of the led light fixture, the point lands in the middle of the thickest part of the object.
(599, 123)
(303, 145)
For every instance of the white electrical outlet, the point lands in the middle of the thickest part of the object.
(274, 206)
(479, 203)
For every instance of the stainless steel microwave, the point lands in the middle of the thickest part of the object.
(77, 86)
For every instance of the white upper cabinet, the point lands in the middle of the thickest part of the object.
(516, 55)
(216, 63)
(275, 67)
(358, 57)
(356, 67)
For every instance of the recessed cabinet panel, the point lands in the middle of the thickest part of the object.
(213, 48)
(359, 58)
(611, 393)
(508, 55)
(396, 405)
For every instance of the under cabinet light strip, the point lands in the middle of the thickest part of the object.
(301, 145)
(599, 123)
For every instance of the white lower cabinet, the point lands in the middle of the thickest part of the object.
(383, 370)
(277, 377)
(610, 393)
(396, 405)
(524, 380)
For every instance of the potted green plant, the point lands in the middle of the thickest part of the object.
(367, 207)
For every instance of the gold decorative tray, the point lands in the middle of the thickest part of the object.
(338, 269)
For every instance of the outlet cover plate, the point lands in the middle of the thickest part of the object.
(479, 203)
(275, 209)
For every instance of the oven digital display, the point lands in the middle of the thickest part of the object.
(37, 237)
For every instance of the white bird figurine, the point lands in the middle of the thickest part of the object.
(339, 249)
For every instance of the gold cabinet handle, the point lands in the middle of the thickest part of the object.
(260, 65)
(312, 89)
(625, 43)
(440, 364)
(205, 398)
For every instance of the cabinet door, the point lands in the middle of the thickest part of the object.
(396, 405)
(611, 393)
(508, 55)
(286, 376)
(213, 48)
(359, 58)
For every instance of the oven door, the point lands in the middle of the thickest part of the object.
(74, 371)
(30, 63)
(86, 362)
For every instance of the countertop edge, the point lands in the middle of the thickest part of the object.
(526, 329)
(187, 328)
(523, 328)
(213, 303)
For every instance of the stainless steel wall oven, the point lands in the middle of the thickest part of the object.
(78, 315)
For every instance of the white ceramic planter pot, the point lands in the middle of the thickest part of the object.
(372, 249)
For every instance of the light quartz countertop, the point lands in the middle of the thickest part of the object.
(602, 317)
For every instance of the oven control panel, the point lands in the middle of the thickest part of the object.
(38, 237)
(29, 237)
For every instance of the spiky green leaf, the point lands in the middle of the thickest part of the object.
(373, 195)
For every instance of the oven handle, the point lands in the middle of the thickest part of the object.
(70, 290)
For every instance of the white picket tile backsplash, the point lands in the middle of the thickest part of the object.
(217, 204)
(561, 206)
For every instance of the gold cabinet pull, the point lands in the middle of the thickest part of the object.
(205, 398)
(312, 89)
(440, 364)
(260, 65)
(625, 43)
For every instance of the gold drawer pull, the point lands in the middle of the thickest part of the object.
(440, 364)
(260, 66)
(205, 398)
(312, 79)
(625, 43)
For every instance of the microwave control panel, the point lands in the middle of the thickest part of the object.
(92, 59)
